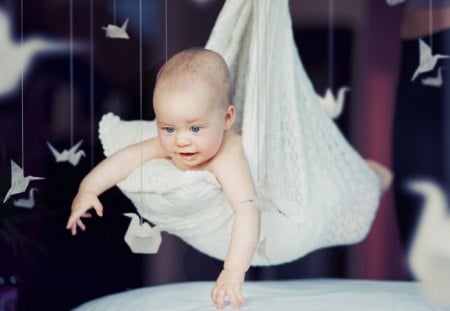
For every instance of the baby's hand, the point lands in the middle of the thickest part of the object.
(81, 204)
(229, 284)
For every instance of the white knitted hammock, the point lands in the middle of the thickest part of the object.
(314, 190)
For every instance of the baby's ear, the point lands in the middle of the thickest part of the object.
(230, 116)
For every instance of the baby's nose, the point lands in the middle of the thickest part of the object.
(183, 140)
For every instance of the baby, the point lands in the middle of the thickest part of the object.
(195, 117)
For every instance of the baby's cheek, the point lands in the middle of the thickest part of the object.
(213, 146)
(165, 145)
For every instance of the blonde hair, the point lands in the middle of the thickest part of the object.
(196, 65)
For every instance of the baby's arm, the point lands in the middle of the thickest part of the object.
(232, 171)
(106, 174)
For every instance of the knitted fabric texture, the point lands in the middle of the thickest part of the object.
(314, 189)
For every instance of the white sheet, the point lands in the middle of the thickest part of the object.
(307, 295)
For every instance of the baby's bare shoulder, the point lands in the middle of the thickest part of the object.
(230, 151)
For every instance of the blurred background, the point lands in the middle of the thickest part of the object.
(65, 94)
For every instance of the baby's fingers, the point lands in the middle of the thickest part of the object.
(214, 295)
(71, 223)
(81, 225)
(98, 208)
(74, 221)
(235, 296)
(233, 292)
(220, 298)
(73, 227)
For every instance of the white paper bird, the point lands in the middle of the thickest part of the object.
(142, 238)
(14, 55)
(72, 155)
(19, 183)
(429, 255)
(434, 81)
(26, 202)
(262, 200)
(261, 250)
(427, 61)
(332, 106)
(116, 32)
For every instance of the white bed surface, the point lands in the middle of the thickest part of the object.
(308, 295)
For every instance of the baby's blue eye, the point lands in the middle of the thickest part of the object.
(169, 130)
(195, 129)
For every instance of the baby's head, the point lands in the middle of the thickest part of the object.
(192, 104)
(189, 68)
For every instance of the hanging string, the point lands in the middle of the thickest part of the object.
(261, 26)
(140, 101)
(21, 83)
(261, 46)
(165, 31)
(71, 72)
(91, 80)
(140, 60)
(330, 44)
(265, 89)
(114, 11)
(256, 90)
(430, 10)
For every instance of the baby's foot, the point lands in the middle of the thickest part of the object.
(383, 172)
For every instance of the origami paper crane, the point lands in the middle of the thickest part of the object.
(14, 56)
(429, 256)
(263, 201)
(141, 237)
(333, 106)
(261, 250)
(19, 183)
(72, 155)
(434, 81)
(427, 61)
(28, 202)
(116, 32)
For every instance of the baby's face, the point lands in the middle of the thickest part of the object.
(191, 124)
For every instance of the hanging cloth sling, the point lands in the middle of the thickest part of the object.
(314, 189)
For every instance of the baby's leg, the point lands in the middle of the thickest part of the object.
(383, 172)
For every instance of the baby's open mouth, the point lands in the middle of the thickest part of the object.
(187, 155)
